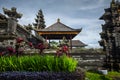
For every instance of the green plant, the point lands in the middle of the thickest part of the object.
(54, 44)
(92, 76)
(38, 63)
(112, 75)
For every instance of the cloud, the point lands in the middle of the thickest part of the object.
(27, 19)
(92, 5)
(74, 13)
(90, 28)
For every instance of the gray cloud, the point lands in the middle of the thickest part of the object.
(74, 13)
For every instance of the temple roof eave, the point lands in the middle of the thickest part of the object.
(78, 29)
(73, 30)
(59, 33)
(58, 26)
(58, 36)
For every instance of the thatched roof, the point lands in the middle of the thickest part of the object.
(58, 26)
(59, 30)
(78, 43)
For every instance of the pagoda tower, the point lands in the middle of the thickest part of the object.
(110, 36)
(40, 23)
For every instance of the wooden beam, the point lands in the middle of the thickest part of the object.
(55, 32)
(71, 43)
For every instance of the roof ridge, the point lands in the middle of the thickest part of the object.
(59, 26)
(67, 26)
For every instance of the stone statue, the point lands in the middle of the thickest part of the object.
(12, 19)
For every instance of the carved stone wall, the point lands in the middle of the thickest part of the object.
(110, 36)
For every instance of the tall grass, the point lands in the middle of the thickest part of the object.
(37, 63)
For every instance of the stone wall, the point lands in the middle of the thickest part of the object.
(89, 61)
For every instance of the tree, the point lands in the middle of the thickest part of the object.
(54, 44)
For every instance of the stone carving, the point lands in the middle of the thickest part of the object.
(12, 19)
(110, 36)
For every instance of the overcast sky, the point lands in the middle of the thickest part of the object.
(73, 13)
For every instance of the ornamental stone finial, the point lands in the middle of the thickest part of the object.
(12, 13)
(58, 20)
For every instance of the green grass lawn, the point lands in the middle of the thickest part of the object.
(97, 76)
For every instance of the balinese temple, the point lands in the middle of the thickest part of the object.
(57, 31)
(10, 30)
(110, 36)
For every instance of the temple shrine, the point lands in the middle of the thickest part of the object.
(110, 36)
(58, 31)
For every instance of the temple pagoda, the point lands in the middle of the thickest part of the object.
(110, 35)
(39, 22)
(58, 31)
